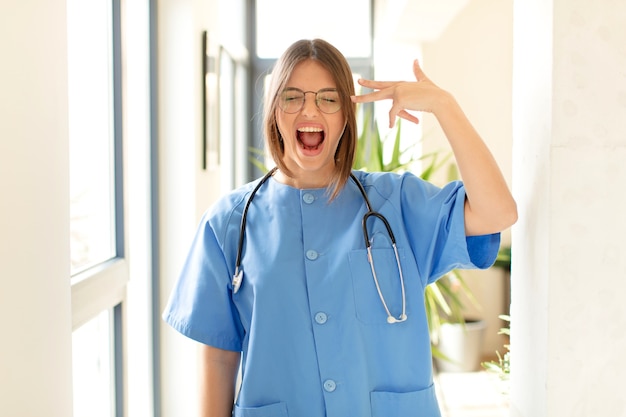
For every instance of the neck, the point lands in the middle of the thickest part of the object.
(302, 181)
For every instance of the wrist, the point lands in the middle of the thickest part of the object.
(444, 104)
(447, 108)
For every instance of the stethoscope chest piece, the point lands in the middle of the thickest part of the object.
(237, 279)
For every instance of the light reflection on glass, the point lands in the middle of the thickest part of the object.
(93, 367)
(90, 83)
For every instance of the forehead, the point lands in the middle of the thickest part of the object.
(310, 75)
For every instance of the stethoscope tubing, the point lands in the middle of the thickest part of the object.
(244, 216)
(238, 275)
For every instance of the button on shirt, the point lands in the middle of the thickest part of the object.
(307, 317)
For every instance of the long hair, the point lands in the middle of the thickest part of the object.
(334, 61)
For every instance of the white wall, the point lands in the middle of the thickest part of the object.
(179, 128)
(185, 190)
(568, 315)
(472, 58)
(35, 347)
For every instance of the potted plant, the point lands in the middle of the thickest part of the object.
(461, 340)
(502, 366)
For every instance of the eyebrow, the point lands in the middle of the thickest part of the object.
(321, 89)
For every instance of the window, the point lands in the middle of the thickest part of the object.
(98, 268)
(93, 366)
(233, 123)
(90, 82)
(345, 24)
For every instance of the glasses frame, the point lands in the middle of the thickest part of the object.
(304, 93)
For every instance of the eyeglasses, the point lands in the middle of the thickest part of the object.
(291, 100)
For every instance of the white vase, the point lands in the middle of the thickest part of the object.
(462, 345)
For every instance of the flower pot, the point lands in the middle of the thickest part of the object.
(462, 345)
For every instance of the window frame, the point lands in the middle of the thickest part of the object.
(103, 286)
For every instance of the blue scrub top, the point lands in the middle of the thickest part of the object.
(308, 317)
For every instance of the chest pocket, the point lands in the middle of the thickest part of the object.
(368, 305)
(273, 410)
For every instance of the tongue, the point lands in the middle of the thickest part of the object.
(310, 139)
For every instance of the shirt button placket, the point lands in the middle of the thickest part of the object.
(320, 317)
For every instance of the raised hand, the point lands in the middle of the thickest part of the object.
(419, 95)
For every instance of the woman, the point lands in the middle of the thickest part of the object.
(327, 325)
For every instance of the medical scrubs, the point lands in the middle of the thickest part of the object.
(308, 317)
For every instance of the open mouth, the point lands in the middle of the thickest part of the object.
(310, 138)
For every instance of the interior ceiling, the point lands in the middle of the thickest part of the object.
(414, 20)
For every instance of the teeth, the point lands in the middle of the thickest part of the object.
(309, 129)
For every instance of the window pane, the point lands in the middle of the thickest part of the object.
(227, 124)
(92, 346)
(90, 83)
(345, 24)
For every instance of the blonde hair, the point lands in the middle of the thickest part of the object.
(334, 61)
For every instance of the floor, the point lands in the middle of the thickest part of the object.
(471, 394)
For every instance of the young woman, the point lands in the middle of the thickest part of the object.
(312, 279)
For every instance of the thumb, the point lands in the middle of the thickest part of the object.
(417, 71)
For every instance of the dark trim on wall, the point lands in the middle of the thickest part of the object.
(119, 380)
(118, 349)
(118, 131)
(154, 209)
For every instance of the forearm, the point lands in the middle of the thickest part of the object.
(218, 370)
(490, 206)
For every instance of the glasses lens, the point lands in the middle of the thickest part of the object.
(328, 101)
(291, 101)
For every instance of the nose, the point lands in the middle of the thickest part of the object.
(310, 106)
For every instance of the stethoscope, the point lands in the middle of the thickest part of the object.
(238, 276)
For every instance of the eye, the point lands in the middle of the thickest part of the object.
(291, 95)
(329, 97)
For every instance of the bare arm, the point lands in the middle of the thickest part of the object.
(489, 206)
(218, 370)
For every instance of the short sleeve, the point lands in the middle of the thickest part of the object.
(435, 219)
(483, 250)
(200, 305)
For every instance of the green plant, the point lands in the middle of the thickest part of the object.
(503, 260)
(503, 366)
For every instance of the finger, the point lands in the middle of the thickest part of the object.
(418, 72)
(369, 97)
(408, 116)
(377, 85)
(393, 113)
(403, 114)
